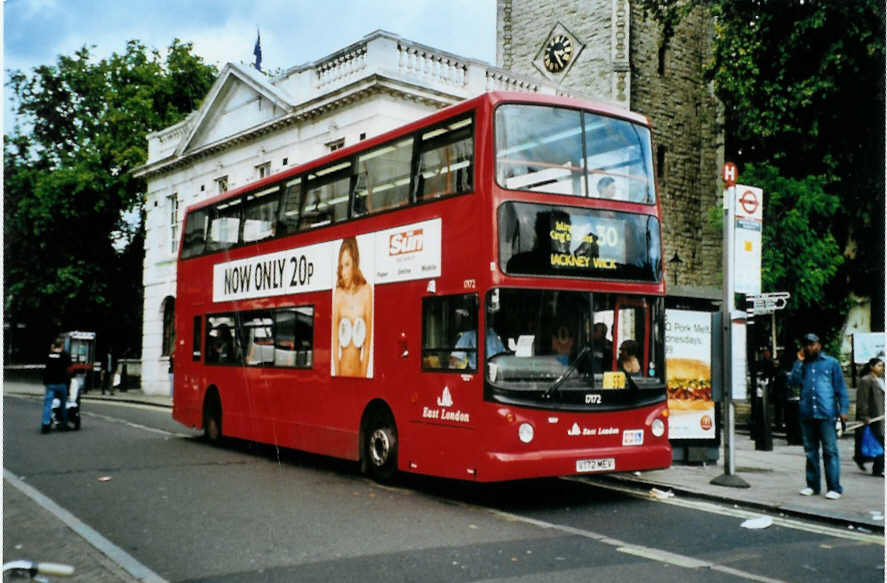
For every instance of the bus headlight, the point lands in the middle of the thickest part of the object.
(526, 432)
(658, 427)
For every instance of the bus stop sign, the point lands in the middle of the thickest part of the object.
(729, 174)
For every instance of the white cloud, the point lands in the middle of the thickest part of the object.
(294, 32)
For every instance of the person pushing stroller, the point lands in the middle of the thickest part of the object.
(56, 376)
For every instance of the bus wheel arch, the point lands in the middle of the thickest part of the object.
(212, 415)
(378, 442)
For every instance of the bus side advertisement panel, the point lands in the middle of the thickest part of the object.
(292, 271)
(350, 268)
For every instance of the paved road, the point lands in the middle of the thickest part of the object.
(188, 511)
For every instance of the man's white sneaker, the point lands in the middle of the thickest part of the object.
(806, 492)
(832, 495)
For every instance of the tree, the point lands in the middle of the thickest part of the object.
(80, 131)
(800, 254)
(802, 82)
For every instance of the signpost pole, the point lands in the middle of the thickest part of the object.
(729, 477)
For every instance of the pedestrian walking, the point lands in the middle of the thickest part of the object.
(781, 391)
(870, 404)
(171, 369)
(823, 401)
(56, 375)
(765, 377)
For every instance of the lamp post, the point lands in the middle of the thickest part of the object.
(674, 264)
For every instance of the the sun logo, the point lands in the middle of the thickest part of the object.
(406, 242)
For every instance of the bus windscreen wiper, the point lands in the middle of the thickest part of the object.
(566, 374)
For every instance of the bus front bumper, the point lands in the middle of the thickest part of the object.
(504, 466)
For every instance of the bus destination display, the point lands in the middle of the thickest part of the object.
(539, 239)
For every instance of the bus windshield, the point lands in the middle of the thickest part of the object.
(562, 342)
(572, 152)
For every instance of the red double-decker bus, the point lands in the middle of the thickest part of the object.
(476, 295)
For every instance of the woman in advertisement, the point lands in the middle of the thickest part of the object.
(352, 315)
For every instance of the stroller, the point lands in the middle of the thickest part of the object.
(72, 404)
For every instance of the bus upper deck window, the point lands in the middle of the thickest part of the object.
(224, 226)
(325, 196)
(195, 234)
(383, 178)
(446, 160)
(620, 165)
(539, 148)
(288, 219)
(260, 215)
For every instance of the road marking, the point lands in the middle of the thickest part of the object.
(92, 399)
(126, 561)
(714, 508)
(123, 421)
(651, 553)
(135, 425)
(146, 406)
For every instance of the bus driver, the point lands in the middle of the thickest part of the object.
(352, 314)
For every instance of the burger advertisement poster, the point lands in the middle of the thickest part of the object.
(688, 375)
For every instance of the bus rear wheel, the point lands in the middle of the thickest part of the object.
(212, 421)
(380, 448)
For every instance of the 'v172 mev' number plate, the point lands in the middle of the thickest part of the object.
(596, 465)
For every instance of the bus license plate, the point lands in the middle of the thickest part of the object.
(596, 465)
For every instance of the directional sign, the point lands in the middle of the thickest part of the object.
(767, 303)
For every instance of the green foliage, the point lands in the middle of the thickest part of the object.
(79, 132)
(802, 82)
(800, 254)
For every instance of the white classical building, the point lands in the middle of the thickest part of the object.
(250, 126)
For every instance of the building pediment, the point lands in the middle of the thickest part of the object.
(243, 104)
(240, 99)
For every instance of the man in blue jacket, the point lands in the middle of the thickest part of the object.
(823, 400)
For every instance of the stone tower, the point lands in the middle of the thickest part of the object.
(606, 50)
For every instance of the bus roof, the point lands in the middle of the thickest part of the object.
(493, 99)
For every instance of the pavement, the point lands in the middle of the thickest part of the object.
(774, 480)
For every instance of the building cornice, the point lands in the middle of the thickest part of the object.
(357, 91)
(380, 62)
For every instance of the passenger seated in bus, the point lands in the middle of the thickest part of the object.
(223, 349)
(562, 344)
(628, 357)
(606, 187)
(316, 213)
(601, 348)
(468, 339)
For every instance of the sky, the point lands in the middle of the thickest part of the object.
(37, 32)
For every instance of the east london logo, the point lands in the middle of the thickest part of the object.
(443, 412)
(575, 430)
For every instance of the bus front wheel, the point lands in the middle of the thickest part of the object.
(380, 448)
